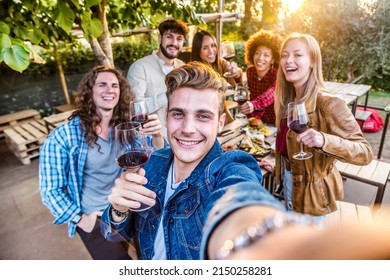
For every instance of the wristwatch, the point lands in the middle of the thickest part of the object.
(76, 219)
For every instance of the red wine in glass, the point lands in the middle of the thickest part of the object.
(240, 99)
(229, 57)
(297, 120)
(228, 53)
(139, 111)
(133, 160)
(131, 150)
(298, 127)
(241, 95)
(141, 118)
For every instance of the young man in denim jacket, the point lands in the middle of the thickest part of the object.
(184, 182)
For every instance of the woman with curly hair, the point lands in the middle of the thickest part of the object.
(262, 54)
(77, 167)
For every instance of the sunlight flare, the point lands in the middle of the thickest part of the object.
(292, 5)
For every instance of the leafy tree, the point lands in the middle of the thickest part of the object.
(354, 37)
(39, 22)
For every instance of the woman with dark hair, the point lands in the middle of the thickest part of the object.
(262, 54)
(205, 50)
(77, 166)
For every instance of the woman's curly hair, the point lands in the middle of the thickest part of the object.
(266, 39)
(86, 108)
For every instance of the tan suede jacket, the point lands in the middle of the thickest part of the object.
(317, 184)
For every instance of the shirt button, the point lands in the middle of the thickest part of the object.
(171, 221)
(186, 211)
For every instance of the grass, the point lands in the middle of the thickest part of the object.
(377, 98)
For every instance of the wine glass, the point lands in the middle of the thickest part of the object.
(241, 95)
(139, 110)
(131, 150)
(228, 53)
(298, 120)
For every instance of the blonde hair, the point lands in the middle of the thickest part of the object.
(285, 91)
(197, 75)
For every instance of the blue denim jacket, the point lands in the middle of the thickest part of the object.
(234, 174)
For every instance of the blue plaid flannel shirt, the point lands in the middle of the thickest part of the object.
(61, 164)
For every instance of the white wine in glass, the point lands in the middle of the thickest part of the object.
(298, 121)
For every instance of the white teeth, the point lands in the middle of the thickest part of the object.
(260, 64)
(291, 69)
(188, 143)
(108, 98)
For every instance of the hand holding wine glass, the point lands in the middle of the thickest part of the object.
(298, 120)
(139, 110)
(131, 150)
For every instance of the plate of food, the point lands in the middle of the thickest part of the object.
(258, 149)
(256, 126)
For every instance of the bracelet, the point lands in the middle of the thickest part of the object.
(119, 214)
(257, 231)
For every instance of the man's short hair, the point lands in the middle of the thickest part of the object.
(173, 25)
(198, 76)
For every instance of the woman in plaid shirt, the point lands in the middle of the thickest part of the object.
(262, 54)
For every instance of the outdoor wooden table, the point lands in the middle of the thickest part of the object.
(349, 212)
(349, 92)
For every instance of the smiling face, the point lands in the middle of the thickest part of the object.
(106, 91)
(171, 44)
(295, 62)
(193, 124)
(263, 60)
(208, 50)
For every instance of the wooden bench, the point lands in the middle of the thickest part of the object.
(55, 120)
(376, 173)
(17, 118)
(349, 212)
(24, 140)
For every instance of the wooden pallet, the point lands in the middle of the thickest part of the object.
(24, 140)
(55, 120)
(17, 118)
